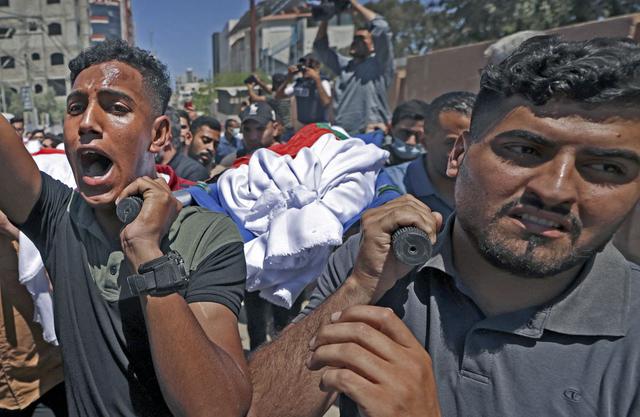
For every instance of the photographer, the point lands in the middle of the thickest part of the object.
(362, 81)
(311, 91)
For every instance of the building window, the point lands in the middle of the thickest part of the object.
(35, 56)
(58, 86)
(6, 33)
(37, 88)
(4, 3)
(53, 1)
(55, 29)
(57, 59)
(32, 26)
(7, 62)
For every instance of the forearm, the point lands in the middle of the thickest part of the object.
(18, 195)
(368, 14)
(197, 377)
(322, 30)
(265, 87)
(278, 370)
(253, 97)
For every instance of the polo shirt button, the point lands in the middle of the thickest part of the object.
(113, 269)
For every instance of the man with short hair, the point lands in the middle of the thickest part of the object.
(183, 166)
(446, 118)
(525, 307)
(185, 128)
(18, 125)
(38, 135)
(202, 145)
(362, 80)
(145, 312)
(230, 139)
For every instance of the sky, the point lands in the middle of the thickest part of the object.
(179, 32)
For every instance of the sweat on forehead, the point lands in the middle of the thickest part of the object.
(154, 73)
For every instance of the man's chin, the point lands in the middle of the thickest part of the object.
(99, 200)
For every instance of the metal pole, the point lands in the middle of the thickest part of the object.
(252, 36)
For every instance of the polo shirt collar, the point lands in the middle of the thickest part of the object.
(596, 304)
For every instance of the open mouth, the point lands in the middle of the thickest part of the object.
(94, 164)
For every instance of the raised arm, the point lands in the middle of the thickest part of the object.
(381, 35)
(20, 188)
(253, 96)
(327, 56)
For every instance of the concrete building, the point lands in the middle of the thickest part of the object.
(111, 19)
(37, 39)
(186, 85)
(284, 33)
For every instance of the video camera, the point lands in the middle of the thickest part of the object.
(326, 9)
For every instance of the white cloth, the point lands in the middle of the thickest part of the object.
(31, 272)
(296, 208)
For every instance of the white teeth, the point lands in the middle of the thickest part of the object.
(540, 221)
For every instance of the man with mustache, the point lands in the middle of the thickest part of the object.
(525, 307)
(145, 312)
(203, 142)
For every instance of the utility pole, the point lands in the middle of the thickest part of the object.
(252, 36)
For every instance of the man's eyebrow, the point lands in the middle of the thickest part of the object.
(118, 94)
(614, 153)
(525, 134)
(75, 95)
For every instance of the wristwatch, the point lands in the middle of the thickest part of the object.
(161, 276)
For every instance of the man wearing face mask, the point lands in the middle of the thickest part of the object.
(362, 80)
(230, 140)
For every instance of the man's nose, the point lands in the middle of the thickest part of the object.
(555, 182)
(89, 121)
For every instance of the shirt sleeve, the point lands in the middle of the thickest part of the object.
(336, 272)
(288, 91)
(326, 86)
(381, 34)
(42, 223)
(220, 278)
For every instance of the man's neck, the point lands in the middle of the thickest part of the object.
(444, 186)
(496, 291)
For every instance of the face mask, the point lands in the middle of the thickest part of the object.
(235, 131)
(406, 152)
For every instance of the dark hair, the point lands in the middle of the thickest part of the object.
(154, 73)
(16, 119)
(277, 79)
(182, 114)
(205, 121)
(412, 109)
(34, 131)
(55, 139)
(174, 122)
(227, 122)
(457, 101)
(595, 72)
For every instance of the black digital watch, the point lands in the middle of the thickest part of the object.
(164, 275)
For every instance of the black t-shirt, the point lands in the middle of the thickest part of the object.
(107, 361)
(188, 168)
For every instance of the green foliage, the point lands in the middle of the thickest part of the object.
(47, 103)
(420, 25)
(203, 99)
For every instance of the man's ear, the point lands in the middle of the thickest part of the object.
(160, 133)
(188, 138)
(456, 156)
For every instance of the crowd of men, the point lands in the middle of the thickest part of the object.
(525, 307)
